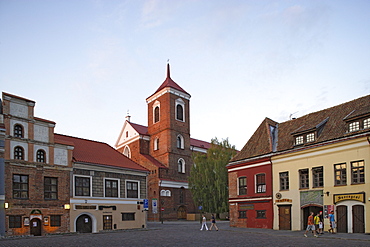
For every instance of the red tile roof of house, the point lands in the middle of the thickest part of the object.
(93, 152)
(328, 124)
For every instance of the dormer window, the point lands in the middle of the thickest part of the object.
(354, 126)
(299, 140)
(310, 137)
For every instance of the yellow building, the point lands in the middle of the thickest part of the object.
(321, 163)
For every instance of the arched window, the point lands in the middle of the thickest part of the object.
(18, 130)
(156, 114)
(180, 109)
(156, 143)
(163, 193)
(126, 152)
(18, 153)
(40, 156)
(168, 193)
(180, 141)
(181, 165)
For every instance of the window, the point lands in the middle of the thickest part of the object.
(354, 126)
(55, 220)
(299, 140)
(40, 156)
(358, 172)
(156, 114)
(242, 214)
(20, 186)
(132, 189)
(107, 222)
(180, 141)
(261, 214)
(242, 186)
(261, 183)
(18, 130)
(50, 188)
(156, 143)
(181, 166)
(179, 112)
(82, 186)
(284, 180)
(340, 171)
(126, 152)
(15, 221)
(111, 188)
(318, 177)
(303, 179)
(367, 123)
(18, 153)
(128, 216)
(165, 193)
(310, 137)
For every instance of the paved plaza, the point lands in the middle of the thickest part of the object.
(185, 233)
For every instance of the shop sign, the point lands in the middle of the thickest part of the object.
(284, 200)
(246, 206)
(354, 196)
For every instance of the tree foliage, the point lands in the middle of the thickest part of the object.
(208, 179)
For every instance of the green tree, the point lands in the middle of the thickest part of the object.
(208, 179)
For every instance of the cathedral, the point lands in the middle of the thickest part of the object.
(165, 148)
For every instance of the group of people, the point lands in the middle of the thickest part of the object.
(204, 223)
(316, 224)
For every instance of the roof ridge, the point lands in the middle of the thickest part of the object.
(82, 139)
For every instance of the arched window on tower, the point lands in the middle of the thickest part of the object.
(156, 111)
(126, 152)
(180, 110)
(181, 165)
(180, 141)
(18, 130)
(156, 143)
(41, 156)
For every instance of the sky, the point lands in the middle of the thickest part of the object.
(88, 63)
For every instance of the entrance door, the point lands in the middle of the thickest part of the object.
(35, 227)
(84, 224)
(342, 219)
(285, 217)
(181, 212)
(107, 222)
(358, 219)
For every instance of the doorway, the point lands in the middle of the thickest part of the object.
(285, 217)
(358, 218)
(84, 224)
(181, 213)
(35, 229)
(307, 211)
(342, 219)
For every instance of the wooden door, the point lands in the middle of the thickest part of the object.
(342, 219)
(285, 217)
(84, 224)
(107, 222)
(35, 227)
(358, 219)
(181, 212)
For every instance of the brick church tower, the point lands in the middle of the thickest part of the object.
(165, 148)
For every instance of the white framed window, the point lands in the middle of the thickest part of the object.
(165, 193)
(127, 152)
(111, 187)
(156, 143)
(354, 126)
(181, 165)
(310, 137)
(156, 111)
(180, 141)
(132, 189)
(82, 185)
(180, 110)
(299, 140)
(367, 123)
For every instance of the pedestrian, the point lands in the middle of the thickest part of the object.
(204, 223)
(321, 223)
(316, 221)
(332, 222)
(213, 220)
(310, 225)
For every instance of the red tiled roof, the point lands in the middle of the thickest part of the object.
(199, 143)
(154, 161)
(44, 120)
(328, 124)
(100, 153)
(169, 83)
(141, 129)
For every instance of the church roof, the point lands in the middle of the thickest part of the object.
(169, 83)
(99, 153)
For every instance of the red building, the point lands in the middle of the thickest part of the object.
(250, 180)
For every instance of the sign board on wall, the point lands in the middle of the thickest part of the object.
(352, 196)
(154, 206)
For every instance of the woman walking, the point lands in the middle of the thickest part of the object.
(213, 220)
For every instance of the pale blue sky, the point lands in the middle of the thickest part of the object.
(86, 63)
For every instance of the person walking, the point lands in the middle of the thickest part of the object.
(321, 223)
(310, 225)
(316, 221)
(213, 220)
(204, 223)
(332, 222)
